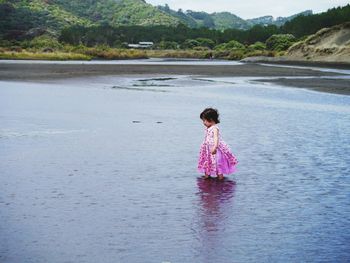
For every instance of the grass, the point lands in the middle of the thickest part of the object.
(169, 53)
(43, 56)
(218, 54)
(72, 53)
(114, 53)
(88, 53)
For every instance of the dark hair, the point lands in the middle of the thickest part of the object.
(210, 114)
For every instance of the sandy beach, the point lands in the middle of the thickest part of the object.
(44, 70)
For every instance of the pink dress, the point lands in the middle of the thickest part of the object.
(223, 162)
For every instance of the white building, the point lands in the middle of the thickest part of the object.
(141, 45)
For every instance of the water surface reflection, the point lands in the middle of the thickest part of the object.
(215, 203)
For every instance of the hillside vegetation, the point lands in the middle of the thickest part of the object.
(329, 44)
(103, 29)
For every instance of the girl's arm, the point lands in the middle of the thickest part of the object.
(216, 140)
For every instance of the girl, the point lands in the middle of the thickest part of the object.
(215, 157)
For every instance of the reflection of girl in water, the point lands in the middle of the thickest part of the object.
(214, 194)
(215, 156)
(213, 217)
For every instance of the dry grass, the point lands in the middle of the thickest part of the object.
(43, 56)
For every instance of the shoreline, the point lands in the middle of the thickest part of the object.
(47, 70)
(295, 62)
(329, 85)
(26, 71)
(249, 60)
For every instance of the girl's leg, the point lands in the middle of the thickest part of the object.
(206, 176)
(220, 176)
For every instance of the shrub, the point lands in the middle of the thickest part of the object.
(200, 48)
(206, 42)
(236, 54)
(5, 43)
(221, 53)
(280, 42)
(44, 41)
(257, 46)
(221, 46)
(190, 43)
(167, 45)
(231, 45)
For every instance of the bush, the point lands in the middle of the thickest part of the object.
(236, 54)
(280, 42)
(167, 45)
(221, 46)
(257, 46)
(258, 53)
(221, 53)
(44, 41)
(6, 43)
(16, 49)
(190, 44)
(206, 42)
(119, 44)
(201, 48)
(231, 45)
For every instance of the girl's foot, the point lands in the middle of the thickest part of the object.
(206, 176)
(221, 177)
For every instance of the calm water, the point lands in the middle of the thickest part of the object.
(103, 169)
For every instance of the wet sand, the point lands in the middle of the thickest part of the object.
(46, 70)
(330, 85)
(26, 71)
(294, 62)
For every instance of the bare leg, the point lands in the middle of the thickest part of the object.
(220, 176)
(206, 176)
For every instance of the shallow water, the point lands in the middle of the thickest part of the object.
(103, 169)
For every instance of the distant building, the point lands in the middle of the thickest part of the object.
(141, 45)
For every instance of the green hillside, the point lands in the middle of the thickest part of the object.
(23, 18)
(220, 20)
(117, 13)
(224, 20)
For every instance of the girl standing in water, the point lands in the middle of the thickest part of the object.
(215, 156)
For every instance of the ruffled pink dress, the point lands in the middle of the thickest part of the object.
(223, 162)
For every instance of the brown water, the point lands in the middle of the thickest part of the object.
(104, 170)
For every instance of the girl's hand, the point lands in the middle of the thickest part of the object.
(213, 151)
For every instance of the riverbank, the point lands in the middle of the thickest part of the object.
(45, 70)
(293, 62)
(9, 70)
(90, 53)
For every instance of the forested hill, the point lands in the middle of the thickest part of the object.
(26, 17)
(21, 16)
(116, 12)
(220, 20)
(279, 21)
(225, 20)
